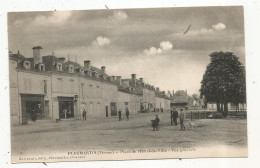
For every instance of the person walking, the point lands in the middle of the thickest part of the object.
(84, 114)
(127, 114)
(182, 119)
(172, 116)
(175, 116)
(119, 115)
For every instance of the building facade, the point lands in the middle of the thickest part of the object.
(48, 87)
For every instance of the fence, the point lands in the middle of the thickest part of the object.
(193, 115)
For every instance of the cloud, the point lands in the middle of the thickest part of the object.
(100, 41)
(54, 18)
(152, 51)
(204, 30)
(219, 26)
(119, 15)
(164, 46)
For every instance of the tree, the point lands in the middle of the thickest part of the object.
(224, 81)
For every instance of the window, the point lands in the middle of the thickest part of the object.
(82, 89)
(42, 67)
(26, 65)
(45, 86)
(81, 71)
(71, 69)
(59, 67)
(59, 85)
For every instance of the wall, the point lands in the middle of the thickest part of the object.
(159, 103)
(124, 98)
(64, 85)
(33, 83)
(95, 95)
(14, 99)
(167, 106)
(148, 97)
(134, 106)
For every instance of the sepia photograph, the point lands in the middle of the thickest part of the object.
(127, 84)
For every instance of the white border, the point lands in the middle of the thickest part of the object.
(252, 28)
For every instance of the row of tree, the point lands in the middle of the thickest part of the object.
(224, 81)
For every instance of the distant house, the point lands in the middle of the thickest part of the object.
(180, 99)
(231, 106)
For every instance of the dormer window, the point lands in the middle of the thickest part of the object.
(26, 65)
(94, 74)
(103, 76)
(41, 67)
(87, 72)
(59, 67)
(71, 69)
(81, 71)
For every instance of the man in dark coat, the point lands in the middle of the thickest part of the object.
(172, 116)
(155, 123)
(175, 116)
(127, 114)
(84, 114)
(119, 115)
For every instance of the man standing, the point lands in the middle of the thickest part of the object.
(84, 114)
(182, 118)
(175, 116)
(172, 116)
(119, 115)
(127, 114)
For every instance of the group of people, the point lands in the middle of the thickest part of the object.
(175, 115)
(120, 114)
(84, 114)
(155, 122)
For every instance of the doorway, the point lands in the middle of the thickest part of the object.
(32, 107)
(113, 109)
(66, 109)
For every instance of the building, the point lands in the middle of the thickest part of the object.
(180, 99)
(52, 88)
(231, 106)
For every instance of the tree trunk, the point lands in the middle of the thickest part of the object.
(225, 110)
(218, 107)
(221, 110)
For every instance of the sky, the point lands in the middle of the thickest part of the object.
(151, 43)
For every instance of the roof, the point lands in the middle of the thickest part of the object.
(73, 63)
(37, 47)
(17, 56)
(180, 93)
(97, 70)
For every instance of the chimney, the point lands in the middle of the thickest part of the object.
(134, 79)
(141, 79)
(173, 92)
(103, 69)
(37, 54)
(133, 76)
(87, 64)
(119, 79)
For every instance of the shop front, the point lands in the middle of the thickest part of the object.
(66, 107)
(32, 107)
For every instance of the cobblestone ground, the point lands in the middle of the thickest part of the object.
(101, 133)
